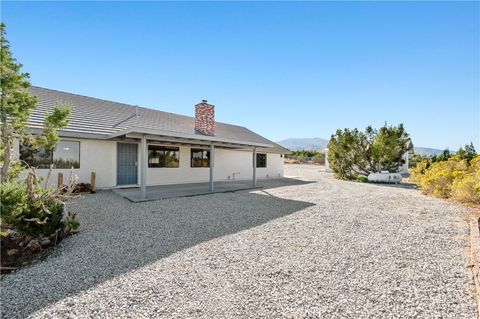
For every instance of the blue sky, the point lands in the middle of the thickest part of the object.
(282, 69)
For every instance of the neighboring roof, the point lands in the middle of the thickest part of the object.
(102, 118)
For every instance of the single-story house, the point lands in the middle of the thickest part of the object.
(128, 145)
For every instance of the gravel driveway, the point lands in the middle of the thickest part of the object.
(312, 248)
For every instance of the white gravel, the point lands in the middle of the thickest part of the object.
(327, 249)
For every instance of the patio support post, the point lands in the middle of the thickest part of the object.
(254, 167)
(143, 166)
(212, 165)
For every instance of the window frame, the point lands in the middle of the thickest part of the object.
(261, 161)
(197, 150)
(51, 155)
(163, 149)
(79, 154)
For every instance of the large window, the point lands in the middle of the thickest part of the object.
(161, 156)
(200, 158)
(261, 160)
(65, 155)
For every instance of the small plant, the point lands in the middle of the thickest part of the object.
(361, 178)
(70, 222)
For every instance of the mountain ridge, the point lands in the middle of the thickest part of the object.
(320, 144)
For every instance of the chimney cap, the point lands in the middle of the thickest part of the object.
(204, 101)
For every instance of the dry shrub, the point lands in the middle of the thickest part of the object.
(466, 188)
(454, 178)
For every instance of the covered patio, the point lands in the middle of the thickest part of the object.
(144, 136)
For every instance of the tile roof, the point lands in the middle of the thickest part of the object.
(103, 118)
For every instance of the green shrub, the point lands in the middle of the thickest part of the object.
(42, 215)
(361, 178)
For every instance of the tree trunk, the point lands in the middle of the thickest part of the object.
(7, 149)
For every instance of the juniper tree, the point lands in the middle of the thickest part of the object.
(16, 105)
(353, 152)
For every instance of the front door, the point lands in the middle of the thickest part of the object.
(126, 164)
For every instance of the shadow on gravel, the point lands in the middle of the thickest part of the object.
(117, 237)
(401, 185)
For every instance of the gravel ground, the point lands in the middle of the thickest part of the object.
(320, 249)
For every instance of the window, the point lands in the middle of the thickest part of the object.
(161, 156)
(65, 155)
(261, 160)
(200, 158)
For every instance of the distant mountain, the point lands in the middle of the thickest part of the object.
(309, 144)
(427, 151)
(317, 143)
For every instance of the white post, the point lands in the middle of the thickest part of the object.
(407, 157)
(327, 165)
(212, 165)
(254, 167)
(143, 167)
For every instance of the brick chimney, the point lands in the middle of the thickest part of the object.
(205, 118)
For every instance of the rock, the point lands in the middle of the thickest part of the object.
(12, 252)
(34, 246)
(44, 241)
(12, 233)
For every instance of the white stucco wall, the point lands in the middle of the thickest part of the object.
(183, 174)
(229, 165)
(101, 157)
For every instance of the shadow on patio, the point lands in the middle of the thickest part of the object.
(118, 236)
(196, 189)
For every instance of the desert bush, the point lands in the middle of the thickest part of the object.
(302, 158)
(439, 177)
(456, 178)
(414, 159)
(418, 171)
(32, 210)
(319, 159)
(466, 187)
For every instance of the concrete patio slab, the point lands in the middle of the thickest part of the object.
(182, 190)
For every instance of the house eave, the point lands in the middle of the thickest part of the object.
(72, 134)
(137, 132)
